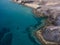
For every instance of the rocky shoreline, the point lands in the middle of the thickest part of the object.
(49, 22)
(52, 20)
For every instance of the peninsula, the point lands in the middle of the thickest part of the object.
(50, 33)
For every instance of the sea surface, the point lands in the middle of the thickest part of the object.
(14, 20)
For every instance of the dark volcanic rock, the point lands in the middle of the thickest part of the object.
(7, 39)
(52, 35)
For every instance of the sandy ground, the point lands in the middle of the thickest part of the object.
(33, 5)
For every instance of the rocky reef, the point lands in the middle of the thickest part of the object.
(3, 31)
(5, 36)
(7, 39)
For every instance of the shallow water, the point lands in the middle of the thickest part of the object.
(14, 19)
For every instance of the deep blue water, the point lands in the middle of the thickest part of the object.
(14, 19)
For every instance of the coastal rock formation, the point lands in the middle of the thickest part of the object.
(52, 12)
(44, 11)
(52, 33)
(57, 20)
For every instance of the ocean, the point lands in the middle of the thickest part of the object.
(14, 20)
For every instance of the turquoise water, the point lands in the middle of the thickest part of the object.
(15, 18)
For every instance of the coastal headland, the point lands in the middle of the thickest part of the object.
(50, 33)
